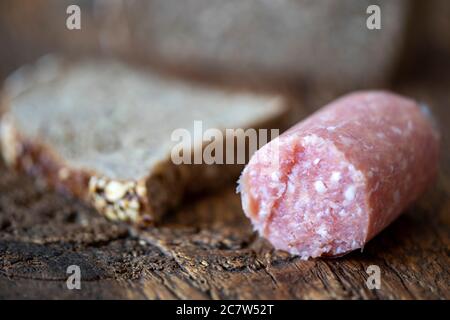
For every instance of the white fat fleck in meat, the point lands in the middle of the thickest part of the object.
(316, 161)
(320, 186)
(351, 168)
(265, 193)
(350, 193)
(358, 211)
(381, 135)
(342, 213)
(346, 141)
(263, 210)
(275, 176)
(322, 231)
(357, 175)
(396, 130)
(409, 127)
(335, 176)
(291, 187)
(339, 250)
(312, 139)
(331, 128)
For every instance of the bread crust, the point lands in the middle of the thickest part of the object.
(142, 202)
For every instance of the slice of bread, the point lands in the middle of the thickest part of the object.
(101, 131)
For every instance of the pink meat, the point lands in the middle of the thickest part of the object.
(333, 181)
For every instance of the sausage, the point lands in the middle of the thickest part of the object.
(333, 181)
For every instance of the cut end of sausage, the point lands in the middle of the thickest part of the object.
(335, 180)
(305, 197)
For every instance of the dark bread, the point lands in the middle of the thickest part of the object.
(102, 131)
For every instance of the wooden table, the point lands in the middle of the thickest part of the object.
(207, 250)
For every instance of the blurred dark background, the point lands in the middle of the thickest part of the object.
(313, 49)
